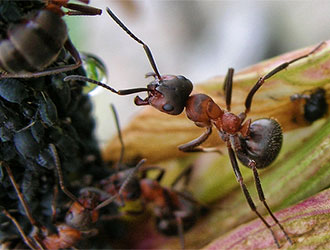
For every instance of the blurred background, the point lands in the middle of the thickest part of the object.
(197, 39)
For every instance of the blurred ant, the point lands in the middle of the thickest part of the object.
(315, 106)
(256, 144)
(36, 43)
(78, 220)
(175, 211)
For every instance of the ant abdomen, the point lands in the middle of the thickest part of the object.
(34, 45)
(263, 143)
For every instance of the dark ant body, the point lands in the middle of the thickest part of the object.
(81, 215)
(35, 44)
(316, 104)
(256, 144)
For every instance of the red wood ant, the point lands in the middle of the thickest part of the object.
(35, 44)
(256, 144)
(78, 220)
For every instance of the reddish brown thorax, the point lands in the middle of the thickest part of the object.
(200, 108)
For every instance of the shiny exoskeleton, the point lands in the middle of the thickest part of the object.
(256, 144)
(34, 44)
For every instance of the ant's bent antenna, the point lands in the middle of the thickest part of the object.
(146, 48)
(103, 85)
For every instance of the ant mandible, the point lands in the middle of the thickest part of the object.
(256, 144)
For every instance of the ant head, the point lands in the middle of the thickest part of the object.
(81, 216)
(132, 189)
(167, 93)
(170, 93)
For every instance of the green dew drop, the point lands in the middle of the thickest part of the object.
(95, 69)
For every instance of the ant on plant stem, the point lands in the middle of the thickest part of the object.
(256, 144)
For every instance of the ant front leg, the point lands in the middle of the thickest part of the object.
(192, 145)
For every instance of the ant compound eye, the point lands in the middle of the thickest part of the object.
(180, 77)
(168, 107)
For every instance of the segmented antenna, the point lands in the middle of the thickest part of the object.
(122, 150)
(146, 48)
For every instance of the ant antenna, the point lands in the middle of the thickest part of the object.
(57, 163)
(122, 150)
(146, 48)
(103, 85)
(123, 186)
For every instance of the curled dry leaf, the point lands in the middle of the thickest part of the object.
(155, 136)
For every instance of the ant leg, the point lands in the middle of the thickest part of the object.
(123, 186)
(186, 174)
(159, 176)
(228, 86)
(26, 239)
(180, 229)
(263, 199)
(191, 146)
(239, 178)
(262, 79)
(82, 10)
(20, 195)
(53, 206)
(60, 174)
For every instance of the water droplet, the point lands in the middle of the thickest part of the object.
(96, 70)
